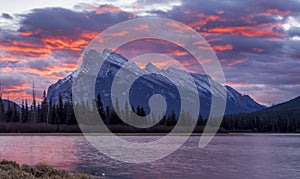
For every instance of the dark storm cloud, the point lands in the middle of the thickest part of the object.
(281, 5)
(256, 45)
(6, 16)
(246, 35)
(5, 64)
(292, 49)
(261, 52)
(18, 45)
(67, 56)
(41, 65)
(44, 31)
(235, 12)
(263, 19)
(9, 80)
(48, 45)
(66, 22)
(294, 31)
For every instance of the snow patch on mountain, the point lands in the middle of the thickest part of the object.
(236, 102)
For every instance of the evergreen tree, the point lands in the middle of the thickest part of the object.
(2, 110)
(133, 114)
(100, 107)
(39, 114)
(16, 116)
(200, 121)
(60, 110)
(114, 118)
(22, 111)
(126, 111)
(108, 115)
(51, 115)
(257, 123)
(172, 119)
(44, 108)
(26, 114)
(9, 112)
(117, 106)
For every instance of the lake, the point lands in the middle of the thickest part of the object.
(244, 156)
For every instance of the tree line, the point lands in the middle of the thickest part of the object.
(63, 113)
(263, 121)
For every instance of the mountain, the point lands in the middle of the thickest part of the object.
(283, 117)
(7, 103)
(154, 83)
(286, 109)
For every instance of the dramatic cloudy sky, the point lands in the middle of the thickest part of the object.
(257, 42)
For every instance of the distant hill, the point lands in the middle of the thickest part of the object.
(291, 107)
(284, 110)
(6, 103)
(284, 117)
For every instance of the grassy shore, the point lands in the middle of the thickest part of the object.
(12, 170)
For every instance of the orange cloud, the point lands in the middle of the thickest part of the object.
(278, 12)
(165, 64)
(229, 83)
(142, 27)
(236, 62)
(45, 47)
(90, 35)
(11, 59)
(208, 18)
(202, 42)
(203, 45)
(161, 64)
(249, 31)
(49, 72)
(205, 61)
(180, 28)
(118, 34)
(15, 93)
(25, 34)
(106, 8)
(222, 47)
(203, 19)
(180, 53)
(16, 88)
(60, 43)
(16, 96)
(27, 49)
(65, 67)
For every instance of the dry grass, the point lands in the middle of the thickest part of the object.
(12, 170)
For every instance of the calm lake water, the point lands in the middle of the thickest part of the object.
(248, 156)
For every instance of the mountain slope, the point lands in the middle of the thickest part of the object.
(289, 108)
(286, 110)
(155, 83)
(8, 103)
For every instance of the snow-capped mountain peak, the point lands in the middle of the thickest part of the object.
(151, 68)
(158, 83)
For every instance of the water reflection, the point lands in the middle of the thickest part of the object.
(251, 156)
(58, 151)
